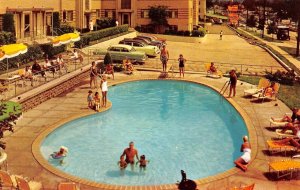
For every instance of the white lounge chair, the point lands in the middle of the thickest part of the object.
(288, 133)
(264, 96)
(262, 84)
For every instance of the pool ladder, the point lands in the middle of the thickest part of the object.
(225, 87)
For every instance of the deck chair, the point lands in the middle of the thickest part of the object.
(125, 68)
(67, 186)
(288, 133)
(4, 90)
(5, 180)
(262, 95)
(275, 122)
(274, 147)
(22, 184)
(262, 84)
(284, 167)
(249, 187)
(217, 74)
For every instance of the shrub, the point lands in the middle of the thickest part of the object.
(180, 32)
(105, 23)
(84, 41)
(138, 28)
(8, 23)
(282, 77)
(196, 33)
(107, 59)
(64, 29)
(187, 33)
(51, 51)
(7, 38)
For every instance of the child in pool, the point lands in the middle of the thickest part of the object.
(122, 164)
(90, 99)
(143, 162)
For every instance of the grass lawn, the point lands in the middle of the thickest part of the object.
(288, 94)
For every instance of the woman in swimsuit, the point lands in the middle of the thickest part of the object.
(233, 81)
(181, 61)
(93, 75)
(243, 161)
(164, 57)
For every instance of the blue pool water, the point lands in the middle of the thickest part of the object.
(177, 125)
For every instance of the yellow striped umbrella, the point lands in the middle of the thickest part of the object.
(65, 39)
(12, 50)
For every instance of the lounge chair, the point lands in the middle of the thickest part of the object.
(263, 96)
(275, 122)
(249, 187)
(22, 184)
(262, 84)
(288, 133)
(275, 147)
(5, 180)
(284, 167)
(67, 186)
(217, 74)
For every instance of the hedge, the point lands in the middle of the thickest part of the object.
(97, 35)
(7, 38)
(51, 51)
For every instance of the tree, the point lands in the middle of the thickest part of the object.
(8, 24)
(271, 29)
(289, 9)
(249, 5)
(107, 59)
(209, 4)
(158, 16)
(251, 22)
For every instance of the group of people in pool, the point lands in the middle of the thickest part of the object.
(128, 158)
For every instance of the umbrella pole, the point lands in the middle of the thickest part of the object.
(7, 66)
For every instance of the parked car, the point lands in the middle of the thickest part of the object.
(120, 51)
(147, 41)
(152, 38)
(283, 33)
(151, 51)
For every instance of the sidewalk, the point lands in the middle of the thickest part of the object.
(273, 45)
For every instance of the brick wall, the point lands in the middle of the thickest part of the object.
(53, 92)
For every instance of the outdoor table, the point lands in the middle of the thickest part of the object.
(10, 80)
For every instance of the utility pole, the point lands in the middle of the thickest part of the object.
(264, 19)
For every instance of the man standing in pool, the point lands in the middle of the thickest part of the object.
(130, 153)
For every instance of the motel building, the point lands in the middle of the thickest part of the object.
(33, 18)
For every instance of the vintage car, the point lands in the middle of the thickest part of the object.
(120, 51)
(147, 41)
(151, 51)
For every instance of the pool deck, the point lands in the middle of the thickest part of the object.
(72, 104)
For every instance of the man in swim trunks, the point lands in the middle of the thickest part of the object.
(130, 153)
(164, 57)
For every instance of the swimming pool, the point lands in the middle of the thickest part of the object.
(177, 125)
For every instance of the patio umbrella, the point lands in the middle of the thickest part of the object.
(12, 50)
(65, 39)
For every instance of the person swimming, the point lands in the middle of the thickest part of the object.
(122, 164)
(61, 154)
(143, 162)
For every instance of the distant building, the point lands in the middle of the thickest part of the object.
(33, 18)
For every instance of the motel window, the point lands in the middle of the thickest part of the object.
(114, 14)
(64, 16)
(98, 13)
(125, 4)
(70, 16)
(106, 13)
(144, 13)
(173, 13)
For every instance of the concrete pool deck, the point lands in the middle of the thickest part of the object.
(64, 107)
